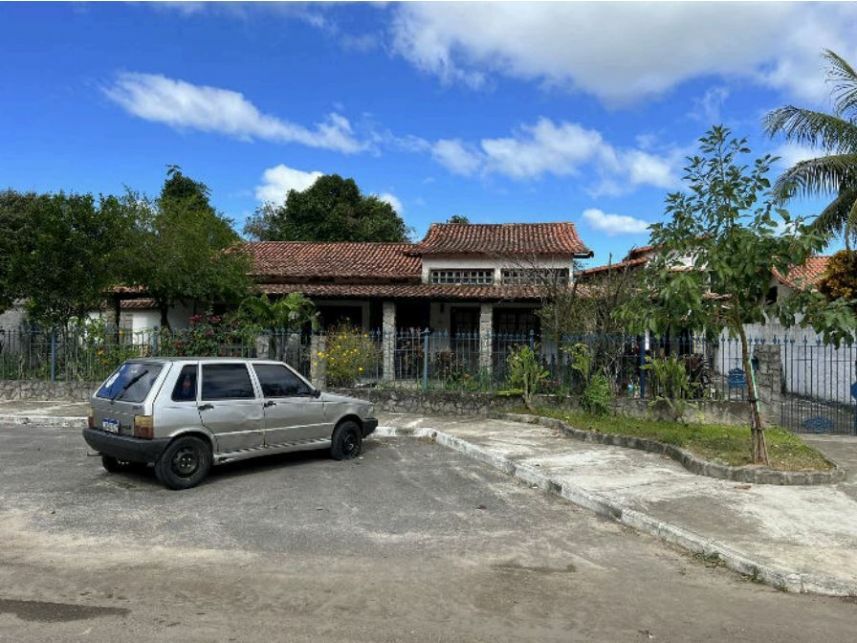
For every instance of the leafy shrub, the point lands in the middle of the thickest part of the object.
(526, 373)
(350, 355)
(209, 335)
(670, 384)
(596, 396)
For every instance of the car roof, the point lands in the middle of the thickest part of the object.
(202, 359)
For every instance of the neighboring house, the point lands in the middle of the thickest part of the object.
(461, 278)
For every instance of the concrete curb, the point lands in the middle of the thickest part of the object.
(691, 462)
(778, 577)
(55, 421)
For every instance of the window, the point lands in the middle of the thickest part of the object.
(278, 381)
(522, 276)
(462, 277)
(185, 388)
(226, 382)
(515, 322)
(131, 382)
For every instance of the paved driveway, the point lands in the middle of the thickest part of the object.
(411, 542)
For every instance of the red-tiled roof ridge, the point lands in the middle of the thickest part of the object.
(806, 275)
(340, 259)
(520, 239)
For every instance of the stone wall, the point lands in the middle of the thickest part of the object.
(45, 390)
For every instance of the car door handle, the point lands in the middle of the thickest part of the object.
(270, 403)
(206, 407)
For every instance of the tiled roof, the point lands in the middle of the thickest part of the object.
(141, 303)
(612, 267)
(518, 239)
(409, 291)
(302, 259)
(805, 276)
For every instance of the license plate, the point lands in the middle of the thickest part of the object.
(111, 426)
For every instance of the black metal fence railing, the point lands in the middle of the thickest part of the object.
(808, 385)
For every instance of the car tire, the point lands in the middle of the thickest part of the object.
(184, 463)
(115, 465)
(347, 441)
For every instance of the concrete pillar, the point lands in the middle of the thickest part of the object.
(263, 346)
(318, 361)
(388, 340)
(486, 327)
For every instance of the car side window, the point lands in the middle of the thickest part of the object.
(226, 382)
(279, 381)
(185, 388)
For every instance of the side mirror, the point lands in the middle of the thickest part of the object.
(316, 392)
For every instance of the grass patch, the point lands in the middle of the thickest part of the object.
(721, 443)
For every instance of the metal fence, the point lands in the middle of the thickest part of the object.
(810, 386)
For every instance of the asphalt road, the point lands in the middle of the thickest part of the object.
(411, 542)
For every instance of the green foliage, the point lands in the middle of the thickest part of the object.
(183, 250)
(60, 252)
(209, 335)
(458, 218)
(350, 355)
(840, 278)
(834, 171)
(597, 395)
(290, 313)
(525, 372)
(581, 360)
(331, 209)
(670, 384)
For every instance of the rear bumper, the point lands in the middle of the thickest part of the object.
(123, 447)
(369, 426)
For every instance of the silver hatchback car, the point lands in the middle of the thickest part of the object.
(186, 414)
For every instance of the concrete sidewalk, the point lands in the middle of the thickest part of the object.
(801, 539)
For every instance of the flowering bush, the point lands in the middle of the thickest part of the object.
(350, 355)
(209, 335)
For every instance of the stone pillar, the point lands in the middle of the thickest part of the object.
(486, 327)
(263, 346)
(388, 340)
(318, 361)
(769, 379)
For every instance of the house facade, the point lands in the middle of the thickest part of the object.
(460, 279)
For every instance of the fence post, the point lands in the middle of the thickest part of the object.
(53, 354)
(317, 360)
(425, 358)
(532, 340)
(641, 351)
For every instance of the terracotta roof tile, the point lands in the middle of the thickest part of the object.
(806, 276)
(409, 291)
(301, 259)
(502, 239)
(613, 267)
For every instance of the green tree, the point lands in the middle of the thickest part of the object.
(716, 256)
(834, 171)
(458, 218)
(183, 250)
(331, 209)
(63, 251)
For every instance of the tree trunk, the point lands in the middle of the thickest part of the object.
(759, 449)
(165, 322)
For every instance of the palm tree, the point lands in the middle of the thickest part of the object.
(834, 134)
(282, 320)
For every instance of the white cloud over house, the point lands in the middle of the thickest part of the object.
(183, 105)
(278, 180)
(623, 53)
(614, 224)
(393, 200)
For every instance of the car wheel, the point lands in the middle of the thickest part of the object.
(184, 463)
(114, 465)
(347, 441)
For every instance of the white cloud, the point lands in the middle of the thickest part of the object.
(278, 180)
(625, 52)
(613, 224)
(181, 104)
(791, 153)
(454, 156)
(708, 107)
(560, 149)
(393, 200)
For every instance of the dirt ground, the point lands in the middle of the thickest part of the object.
(411, 542)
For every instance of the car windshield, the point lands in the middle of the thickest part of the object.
(131, 382)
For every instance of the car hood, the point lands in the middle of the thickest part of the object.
(341, 399)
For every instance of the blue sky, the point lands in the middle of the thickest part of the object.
(507, 113)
